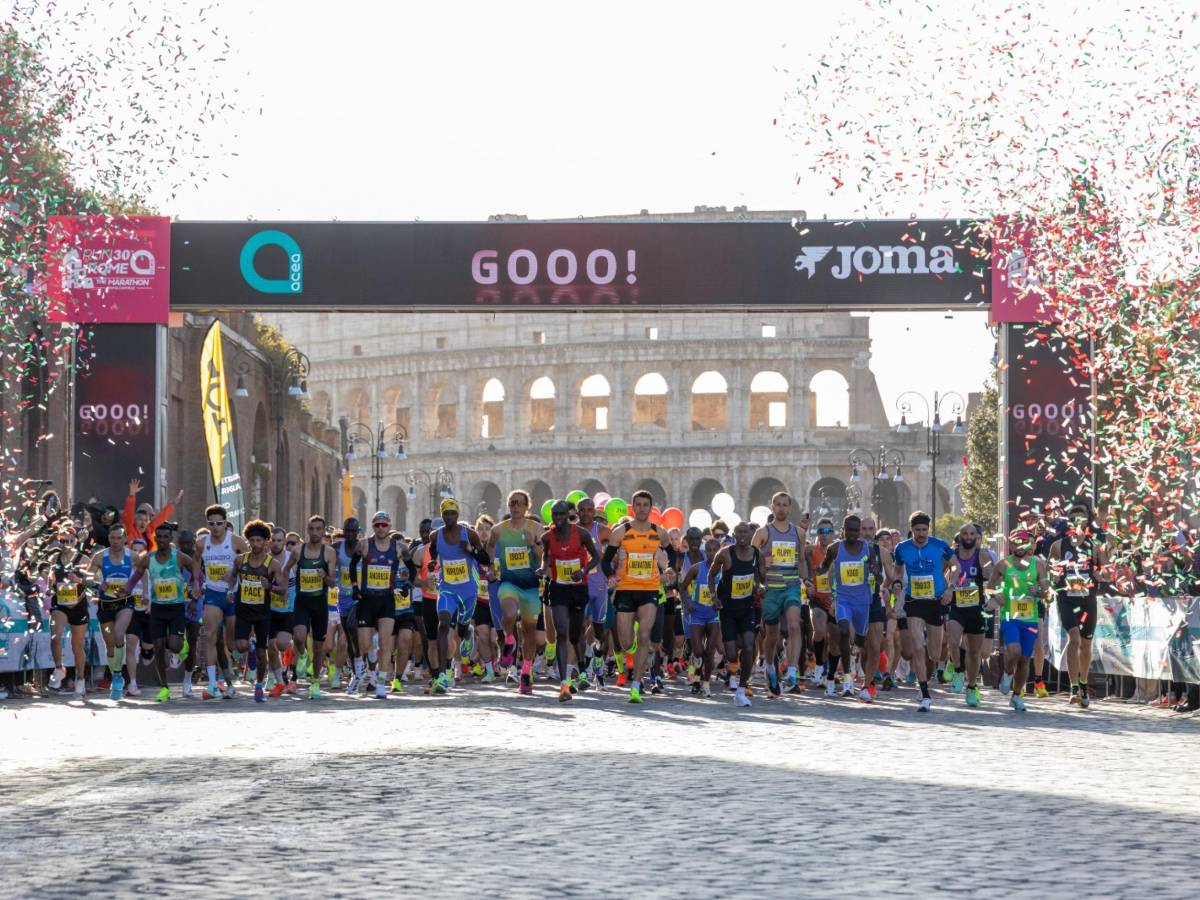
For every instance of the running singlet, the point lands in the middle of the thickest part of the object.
(166, 581)
(377, 569)
(822, 584)
(455, 568)
(402, 588)
(311, 572)
(640, 571)
(970, 581)
(345, 587)
(851, 575)
(218, 562)
(1074, 575)
(285, 602)
(737, 582)
(514, 556)
(253, 581)
(596, 579)
(66, 593)
(1018, 590)
(430, 592)
(114, 576)
(784, 549)
(566, 557)
(923, 567)
(701, 594)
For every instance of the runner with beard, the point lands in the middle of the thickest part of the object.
(783, 543)
(821, 600)
(316, 565)
(920, 572)
(110, 570)
(970, 570)
(1022, 578)
(734, 575)
(1079, 559)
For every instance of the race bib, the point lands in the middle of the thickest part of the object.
(482, 593)
(455, 572)
(1078, 585)
(966, 596)
(851, 573)
(344, 578)
(516, 557)
(403, 600)
(279, 602)
(1023, 608)
(783, 553)
(311, 581)
(640, 565)
(705, 595)
(67, 593)
(564, 569)
(823, 583)
(920, 587)
(216, 571)
(139, 601)
(253, 592)
(741, 586)
(114, 584)
(166, 591)
(379, 577)
(332, 596)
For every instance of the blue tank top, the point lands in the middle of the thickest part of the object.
(114, 575)
(377, 571)
(456, 570)
(345, 588)
(851, 577)
(286, 602)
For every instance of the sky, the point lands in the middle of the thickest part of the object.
(443, 111)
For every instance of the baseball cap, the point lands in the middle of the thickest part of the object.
(350, 524)
(381, 516)
(449, 505)
(146, 508)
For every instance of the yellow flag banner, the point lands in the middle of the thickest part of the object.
(218, 429)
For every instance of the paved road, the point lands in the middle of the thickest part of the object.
(485, 792)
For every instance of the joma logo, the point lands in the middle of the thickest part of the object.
(906, 259)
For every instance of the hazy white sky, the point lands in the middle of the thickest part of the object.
(449, 110)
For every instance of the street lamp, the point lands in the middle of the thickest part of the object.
(875, 463)
(440, 484)
(933, 431)
(375, 442)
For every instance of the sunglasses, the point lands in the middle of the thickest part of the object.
(824, 531)
(383, 525)
(216, 524)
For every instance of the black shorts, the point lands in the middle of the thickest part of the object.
(106, 610)
(631, 601)
(572, 596)
(660, 620)
(254, 620)
(931, 611)
(1078, 612)
(167, 619)
(139, 625)
(405, 620)
(482, 617)
(372, 607)
(429, 616)
(969, 617)
(312, 614)
(76, 615)
(737, 618)
(281, 621)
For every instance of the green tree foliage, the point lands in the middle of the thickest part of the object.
(981, 481)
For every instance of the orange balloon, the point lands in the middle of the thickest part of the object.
(655, 516)
(672, 517)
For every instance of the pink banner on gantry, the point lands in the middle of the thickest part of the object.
(102, 269)
(1015, 294)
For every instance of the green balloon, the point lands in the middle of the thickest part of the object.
(546, 507)
(576, 496)
(615, 510)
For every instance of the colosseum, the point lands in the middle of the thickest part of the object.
(685, 406)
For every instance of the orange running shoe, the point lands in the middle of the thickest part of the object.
(622, 679)
(564, 693)
(277, 690)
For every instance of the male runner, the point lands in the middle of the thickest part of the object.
(137, 636)
(740, 569)
(69, 607)
(316, 564)
(375, 594)
(516, 547)
(192, 613)
(282, 609)
(597, 585)
(110, 570)
(260, 580)
(921, 572)
(1080, 560)
(1023, 579)
(783, 544)
(701, 615)
(217, 551)
(348, 550)
(459, 553)
(970, 570)
(403, 614)
(821, 600)
(168, 594)
(856, 567)
(570, 556)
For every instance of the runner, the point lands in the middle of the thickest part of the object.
(137, 636)
(921, 573)
(425, 598)
(192, 613)
(1080, 560)
(110, 570)
(348, 550)
(403, 615)
(740, 569)
(783, 544)
(459, 552)
(1023, 579)
(282, 610)
(700, 614)
(258, 576)
(856, 568)
(516, 547)
(821, 599)
(141, 521)
(597, 613)
(69, 607)
(316, 563)
(487, 606)
(217, 552)
(375, 584)
(168, 595)
(970, 570)
(570, 556)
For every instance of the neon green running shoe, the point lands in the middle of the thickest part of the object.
(551, 652)
(972, 696)
(398, 686)
(185, 649)
(635, 695)
(950, 670)
(163, 695)
(314, 691)
(302, 667)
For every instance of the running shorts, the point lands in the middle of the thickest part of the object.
(931, 611)
(776, 600)
(168, 619)
(969, 617)
(76, 615)
(1078, 612)
(631, 601)
(597, 608)
(529, 601)
(737, 618)
(139, 625)
(312, 614)
(220, 599)
(572, 596)
(373, 606)
(281, 622)
(259, 626)
(858, 614)
(1019, 631)
(483, 614)
(461, 609)
(106, 610)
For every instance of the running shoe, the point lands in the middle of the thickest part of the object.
(817, 676)
(80, 689)
(276, 689)
(924, 705)
(792, 684)
(331, 674)
(260, 695)
(302, 663)
(582, 682)
(163, 695)
(772, 682)
(635, 694)
(185, 649)
(381, 691)
(352, 684)
(706, 691)
(230, 691)
(1017, 703)
(56, 678)
(488, 678)
(477, 670)
(831, 689)
(1083, 698)
(187, 690)
(571, 686)
(564, 693)
(467, 644)
(696, 688)
(526, 685)
(1006, 681)
(133, 689)
(950, 669)
(398, 686)
(1075, 699)
(959, 680)
(873, 691)
(656, 686)
(888, 683)
(314, 691)
(911, 679)
(439, 683)
(118, 686)
(865, 696)
(1039, 689)
(104, 683)
(749, 690)
(290, 687)
(740, 699)
(512, 677)
(622, 679)
(506, 655)
(972, 696)
(847, 686)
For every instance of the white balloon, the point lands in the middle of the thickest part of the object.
(700, 518)
(759, 514)
(722, 504)
(733, 520)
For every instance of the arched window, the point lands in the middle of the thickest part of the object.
(595, 396)
(763, 490)
(397, 404)
(446, 404)
(491, 423)
(768, 401)
(703, 491)
(358, 406)
(657, 492)
(827, 498)
(650, 401)
(539, 492)
(541, 405)
(710, 400)
(829, 393)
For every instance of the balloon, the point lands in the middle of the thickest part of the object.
(615, 510)
(759, 514)
(600, 504)
(601, 498)
(576, 496)
(672, 517)
(655, 516)
(546, 507)
(722, 505)
(732, 520)
(700, 518)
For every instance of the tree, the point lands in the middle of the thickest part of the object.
(981, 480)
(949, 524)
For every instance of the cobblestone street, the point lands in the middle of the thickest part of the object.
(482, 791)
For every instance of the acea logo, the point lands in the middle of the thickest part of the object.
(293, 283)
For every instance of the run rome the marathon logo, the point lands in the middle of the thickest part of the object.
(904, 259)
(293, 283)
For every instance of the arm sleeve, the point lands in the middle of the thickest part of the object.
(481, 556)
(606, 564)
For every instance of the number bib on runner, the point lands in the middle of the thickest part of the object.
(139, 602)
(783, 553)
(344, 578)
(741, 586)
(216, 571)
(403, 600)
(1022, 608)
(966, 596)
(705, 596)
(379, 578)
(1078, 585)
(279, 602)
(114, 584)
(311, 581)
(67, 594)
(823, 583)
(166, 591)
(640, 565)
(253, 592)
(564, 569)
(455, 571)
(851, 573)
(516, 557)
(331, 598)
(920, 587)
